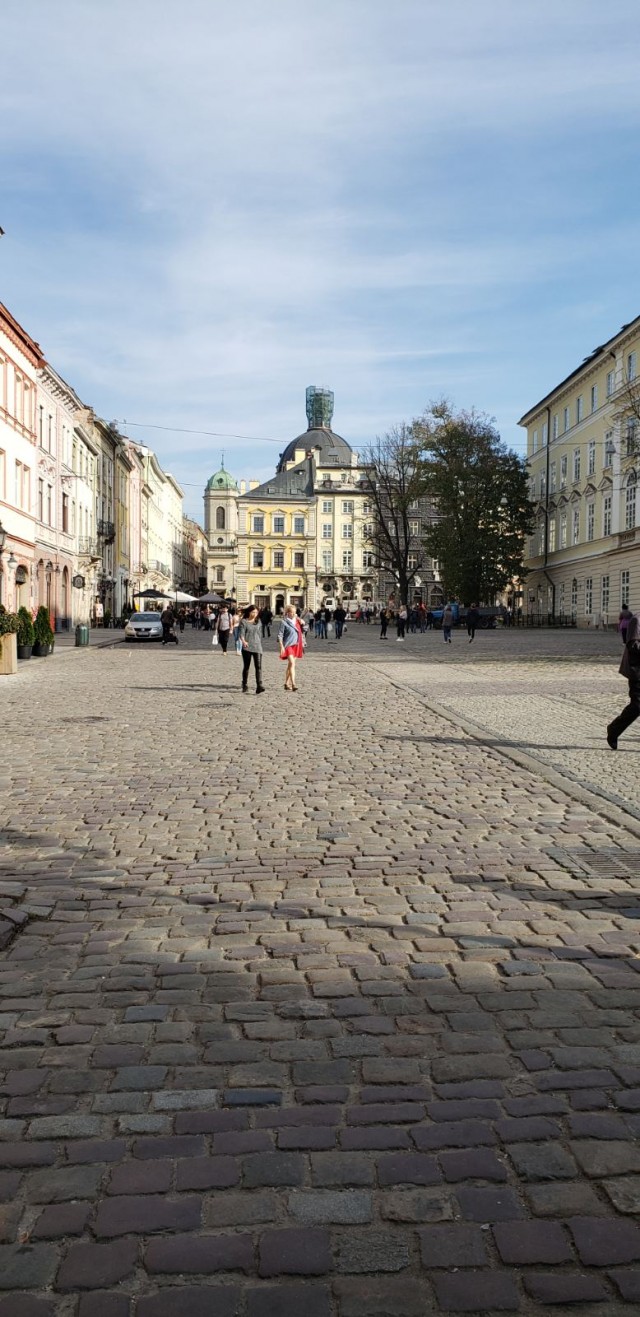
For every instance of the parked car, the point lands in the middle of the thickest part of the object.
(143, 626)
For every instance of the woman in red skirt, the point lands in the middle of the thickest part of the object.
(291, 642)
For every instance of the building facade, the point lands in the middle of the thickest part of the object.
(276, 540)
(221, 531)
(583, 559)
(20, 360)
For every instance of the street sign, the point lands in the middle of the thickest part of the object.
(78, 581)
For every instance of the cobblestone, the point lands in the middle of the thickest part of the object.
(350, 1033)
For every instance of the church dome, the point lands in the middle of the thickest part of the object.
(220, 481)
(334, 450)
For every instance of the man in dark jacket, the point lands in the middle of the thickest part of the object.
(339, 617)
(629, 668)
(473, 617)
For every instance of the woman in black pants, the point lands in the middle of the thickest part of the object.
(251, 641)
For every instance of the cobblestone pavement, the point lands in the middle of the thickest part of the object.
(314, 1003)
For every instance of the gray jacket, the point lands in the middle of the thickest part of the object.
(251, 633)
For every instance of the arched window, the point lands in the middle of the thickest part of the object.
(220, 518)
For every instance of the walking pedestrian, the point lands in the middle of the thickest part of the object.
(182, 617)
(266, 618)
(447, 623)
(339, 617)
(291, 642)
(623, 621)
(166, 617)
(223, 628)
(629, 668)
(473, 617)
(249, 629)
(384, 622)
(236, 618)
(401, 622)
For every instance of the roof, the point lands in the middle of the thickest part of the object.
(221, 480)
(296, 483)
(588, 361)
(334, 450)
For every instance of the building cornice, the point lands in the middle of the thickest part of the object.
(20, 338)
(593, 362)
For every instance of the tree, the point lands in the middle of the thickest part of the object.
(480, 490)
(396, 483)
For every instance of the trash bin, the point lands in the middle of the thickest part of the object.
(82, 636)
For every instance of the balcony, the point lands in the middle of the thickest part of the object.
(106, 529)
(626, 537)
(88, 548)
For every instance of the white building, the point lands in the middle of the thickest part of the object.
(20, 359)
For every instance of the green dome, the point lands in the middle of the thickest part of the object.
(221, 480)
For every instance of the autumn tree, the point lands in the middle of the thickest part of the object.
(395, 485)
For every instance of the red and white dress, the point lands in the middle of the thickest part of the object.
(295, 649)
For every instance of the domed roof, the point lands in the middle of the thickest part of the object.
(220, 481)
(334, 450)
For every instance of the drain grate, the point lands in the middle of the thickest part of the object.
(581, 862)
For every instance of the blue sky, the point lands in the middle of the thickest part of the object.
(210, 206)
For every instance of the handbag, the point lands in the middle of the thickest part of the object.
(214, 638)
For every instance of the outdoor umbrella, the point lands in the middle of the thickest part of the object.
(210, 598)
(181, 598)
(150, 594)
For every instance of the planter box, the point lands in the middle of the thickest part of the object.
(8, 655)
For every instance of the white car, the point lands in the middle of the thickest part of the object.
(143, 626)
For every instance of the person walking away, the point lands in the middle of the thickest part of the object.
(182, 617)
(291, 642)
(236, 619)
(339, 618)
(319, 625)
(473, 617)
(402, 622)
(249, 629)
(629, 668)
(447, 623)
(623, 621)
(326, 617)
(266, 618)
(384, 622)
(166, 617)
(223, 628)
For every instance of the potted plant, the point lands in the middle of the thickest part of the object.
(24, 633)
(43, 633)
(8, 651)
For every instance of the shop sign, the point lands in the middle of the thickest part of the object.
(78, 581)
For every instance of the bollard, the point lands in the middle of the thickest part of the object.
(82, 636)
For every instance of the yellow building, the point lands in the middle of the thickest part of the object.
(277, 539)
(583, 559)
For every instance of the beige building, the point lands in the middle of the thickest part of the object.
(583, 559)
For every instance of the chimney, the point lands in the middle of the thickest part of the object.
(243, 486)
(253, 484)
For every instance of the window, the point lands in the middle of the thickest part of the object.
(366, 508)
(630, 503)
(575, 533)
(219, 575)
(65, 512)
(414, 527)
(606, 515)
(327, 530)
(347, 506)
(631, 437)
(579, 409)
(588, 595)
(552, 535)
(574, 593)
(561, 598)
(532, 487)
(604, 598)
(631, 366)
(611, 382)
(545, 433)
(591, 519)
(625, 588)
(555, 423)
(563, 530)
(367, 530)
(608, 448)
(41, 500)
(591, 460)
(594, 397)
(50, 432)
(563, 471)
(327, 505)
(535, 441)
(278, 525)
(347, 531)
(412, 561)
(298, 561)
(552, 478)
(278, 559)
(220, 519)
(576, 464)
(541, 536)
(327, 560)
(566, 418)
(368, 559)
(543, 484)
(258, 558)
(347, 559)
(298, 525)
(258, 525)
